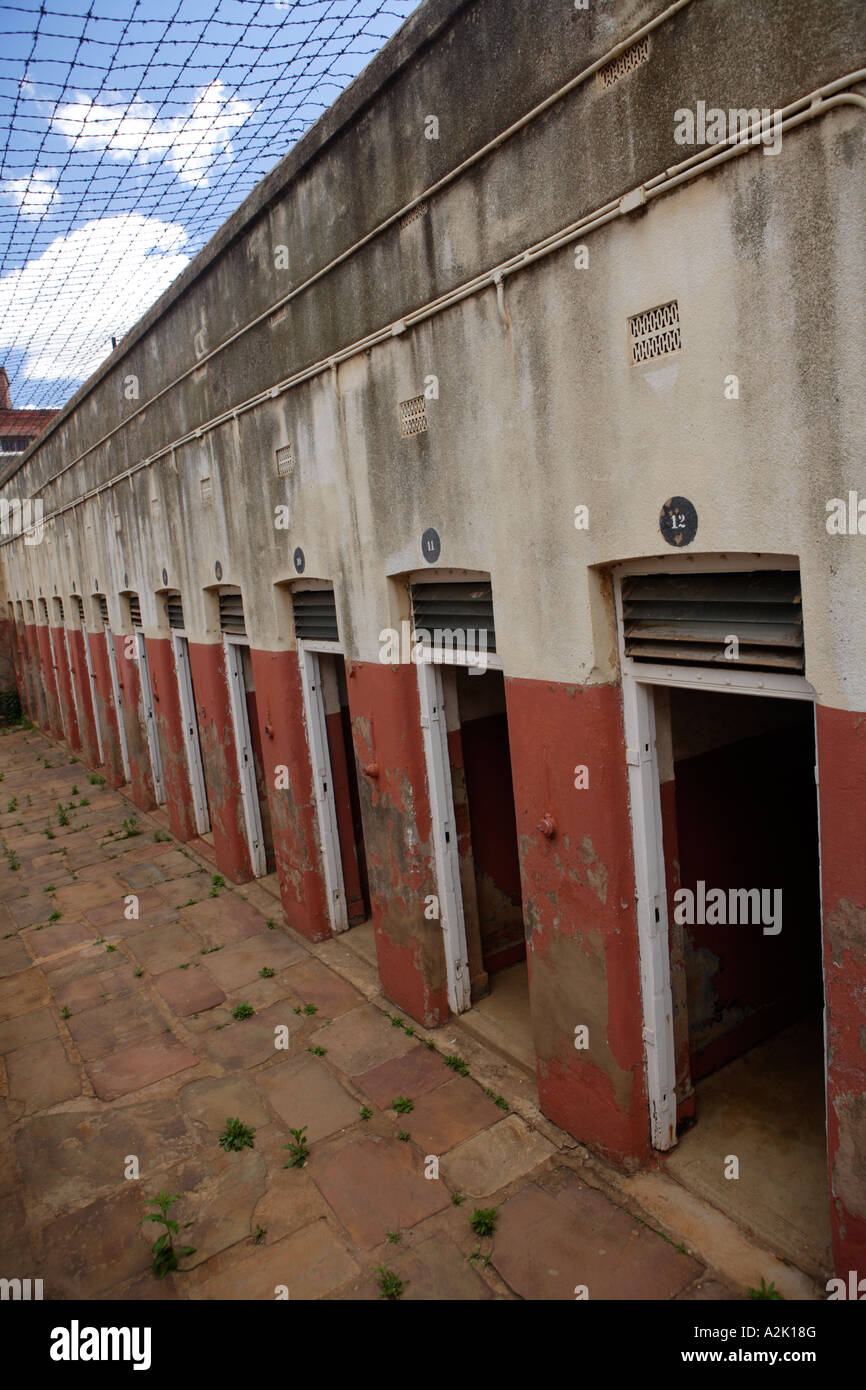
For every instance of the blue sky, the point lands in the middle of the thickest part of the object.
(127, 138)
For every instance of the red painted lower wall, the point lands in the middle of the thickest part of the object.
(279, 709)
(578, 900)
(169, 727)
(64, 682)
(141, 787)
(105, 709)
(87, 728)
(219, 760)
(55, 722)
(842, 795)
(395, 810)
(34, 665)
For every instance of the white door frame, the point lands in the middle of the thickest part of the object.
(149, 718)
(323, 779)
(638, 679)
(445, 849)
(189, 727)
(244, 751)
(88, 661)
(115, 690)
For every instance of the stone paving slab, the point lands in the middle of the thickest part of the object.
(114, 1026)
(304, 1093)
(214, 1100)
(222, 921)
(316, 984)
(87, 1251)
(90, 991)
(176, 893)
(56, 939)
(40, 1074)
(492, 1160)
(308, 1265)
(164, 947)
(13, 957)
(238, 965)
(27, 1028)
(361, 1040)
(546, 1249)
(252, 1040)
(449, 1115)
(68, 1156)
(414, 1074)
(133, 1068)
(189, 991)
(22, 992)
(377, 1185)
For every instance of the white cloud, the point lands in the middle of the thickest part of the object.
(34, 194)
(131, 131)
(64, 305)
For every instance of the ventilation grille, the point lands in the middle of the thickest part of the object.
(43, 610)
(79, 608)
(617, 68)
(462, 615)
(59, 602)
(414, 215)
(232, 614)
(174, 607)
(692, 618)
(413, 417)
(103, 607)
(315, 614)
(285, 461)
(655, 333)
(134, 610)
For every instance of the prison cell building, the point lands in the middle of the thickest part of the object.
(552, 376)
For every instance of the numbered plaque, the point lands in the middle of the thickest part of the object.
(678, 521)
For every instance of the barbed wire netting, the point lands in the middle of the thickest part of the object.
(130, 130)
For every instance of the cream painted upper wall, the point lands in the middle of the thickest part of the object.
(538, 414)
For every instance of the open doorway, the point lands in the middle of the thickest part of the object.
(248, 747)
(721, 754)
(740, 838)
(344, 778)
(485, 824)
(335, 782)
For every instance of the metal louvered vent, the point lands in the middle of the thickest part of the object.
(79, 607)
(134, 610)
(43, 610)
(103, 607)
(694, 618)
(617, 68)
(315, 614)
(413, 417)
(174, 607)
(285, 461)
(655, 333)
(232, 614)
(457, 616)
(60, 614)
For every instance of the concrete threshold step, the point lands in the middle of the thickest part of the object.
(710, 1235)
